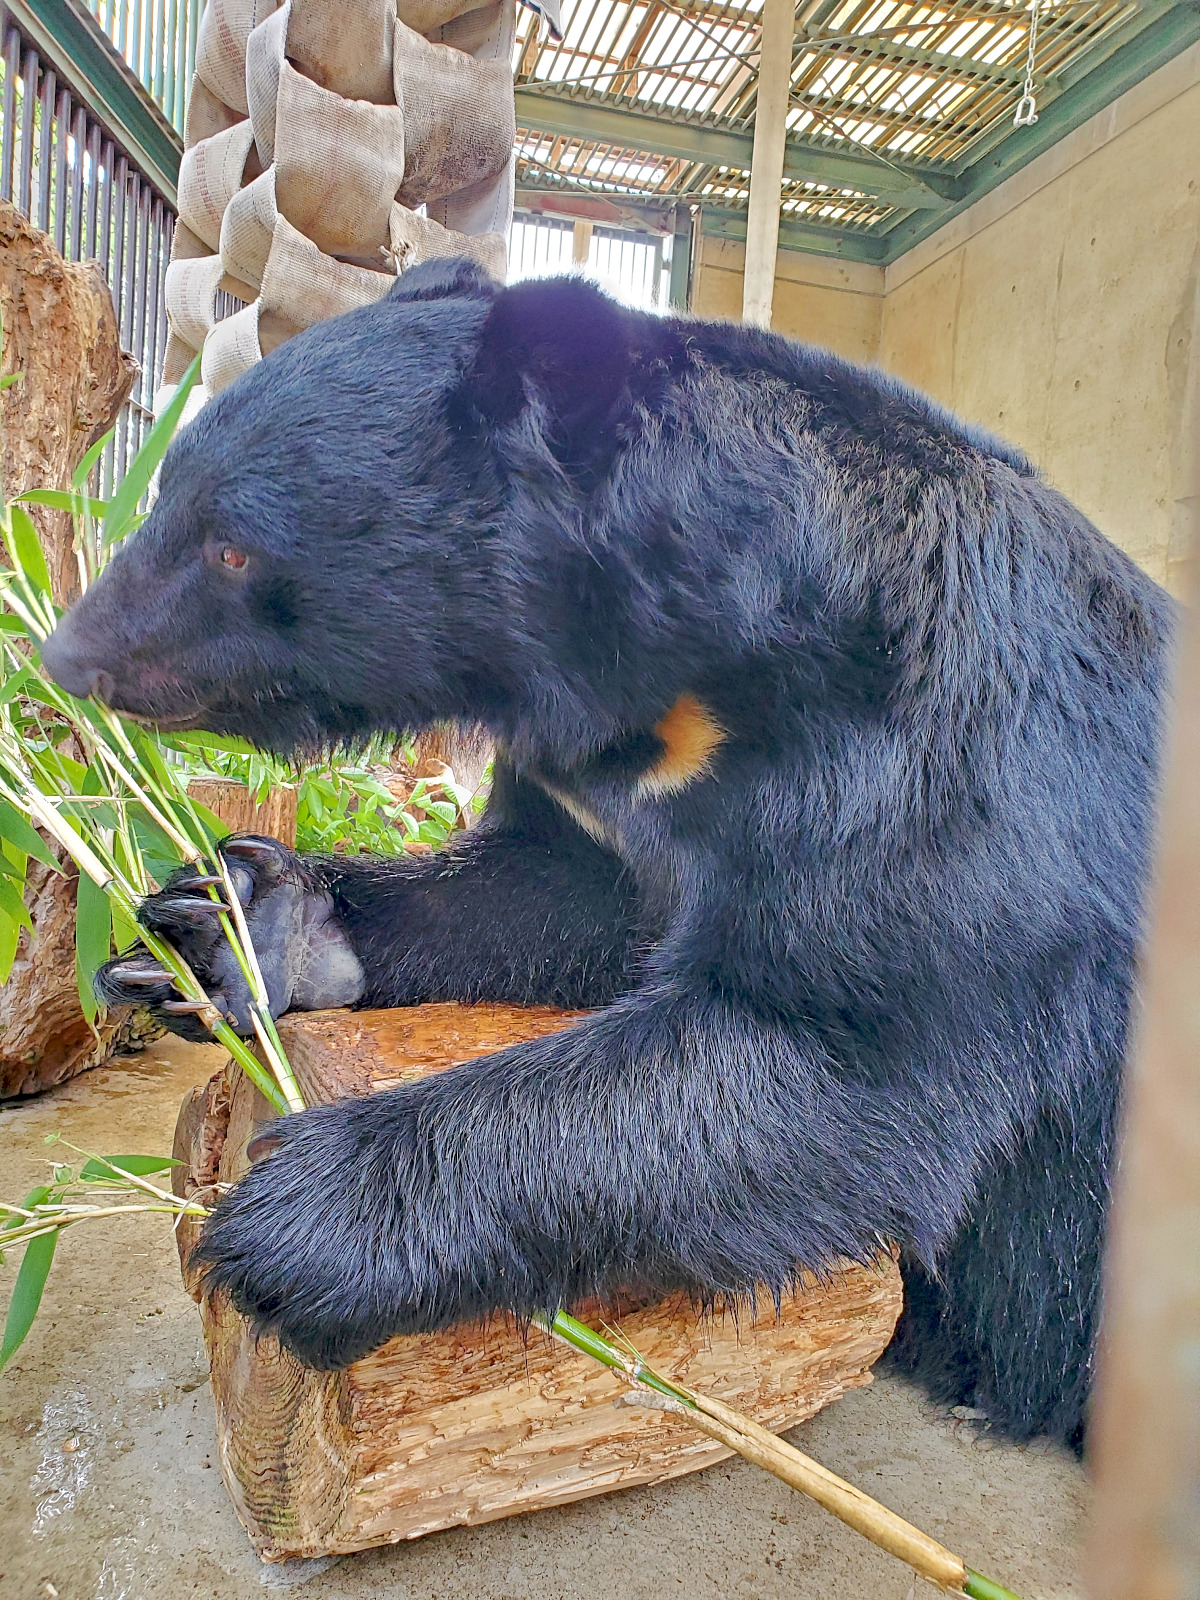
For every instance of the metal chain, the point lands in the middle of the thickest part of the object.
(1026, 112)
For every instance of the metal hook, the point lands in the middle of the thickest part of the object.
(1026, 114)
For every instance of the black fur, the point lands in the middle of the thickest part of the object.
(868, 978)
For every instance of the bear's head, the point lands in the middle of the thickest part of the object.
(322, 558)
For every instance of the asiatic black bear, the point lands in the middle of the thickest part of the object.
(828, 742)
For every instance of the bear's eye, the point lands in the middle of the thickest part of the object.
(231, 557)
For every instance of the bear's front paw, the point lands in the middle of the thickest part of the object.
(313, 1243)
(303, 953)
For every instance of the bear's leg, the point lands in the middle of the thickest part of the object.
(1009, 1322)
(670, 1141)
(527, 908)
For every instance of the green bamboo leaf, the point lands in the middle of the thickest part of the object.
(84, 470)
(93, 940)
(17, 831)
(10, 935)
(122, 508)
(13, 377)
(27, 548)
(12, 905)
(101, 1167)
(200, 742)
(12, 687)
(63, 500)
(11, 624)
(27, 1293)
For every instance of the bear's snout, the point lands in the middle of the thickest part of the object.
(71, 664)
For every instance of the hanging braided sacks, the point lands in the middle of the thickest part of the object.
(329, 145)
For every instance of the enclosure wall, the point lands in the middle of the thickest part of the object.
(1064, 311)
(834, 303)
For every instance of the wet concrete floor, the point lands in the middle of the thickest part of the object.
(109, 1488)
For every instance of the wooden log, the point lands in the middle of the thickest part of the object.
(476, 1423)
(237, 808)
(60, 333)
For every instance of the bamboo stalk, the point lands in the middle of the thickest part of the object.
(884, 1527)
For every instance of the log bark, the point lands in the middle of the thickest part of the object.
(237, 808)
(60, 332)
(477, 1423)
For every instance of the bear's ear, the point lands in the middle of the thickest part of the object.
(561, 340)
(445, 278)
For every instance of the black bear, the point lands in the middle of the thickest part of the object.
(827, 742)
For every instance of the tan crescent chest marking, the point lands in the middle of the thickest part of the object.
(692, 736)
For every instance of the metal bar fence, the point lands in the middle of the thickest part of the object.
(60, 167)
(158, 40)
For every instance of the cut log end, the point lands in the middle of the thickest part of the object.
(476, 1423)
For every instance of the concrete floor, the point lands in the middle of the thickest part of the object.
(110, 1492)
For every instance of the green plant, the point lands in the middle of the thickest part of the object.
(343, 806)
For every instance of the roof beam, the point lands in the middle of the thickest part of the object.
(1147, 42)
(885, 51)
(711, 144)
(811, 238)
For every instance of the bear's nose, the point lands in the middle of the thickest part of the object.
(70, 668)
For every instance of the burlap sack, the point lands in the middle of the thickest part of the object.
(344, 48)
(416, 238)
(207, 114)
(221, 47)
(459, 118)
(338, 165)
(313, 129)
(210, 174)
(247, 229)
(264, 58)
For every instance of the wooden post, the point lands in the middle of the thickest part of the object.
(581, 243)
(1146, 1440)
(766, 167)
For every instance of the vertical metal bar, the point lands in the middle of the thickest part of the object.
(108, 157)
(95, 179)
(45, 150)
(160, 51)
(12, 70)
(78, 154)
(171, 84)
(154, 256)
(143, 261)
(116, 276)
(62, 140)
(28, 102)
(194, 9)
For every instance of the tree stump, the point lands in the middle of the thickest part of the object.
(60, 332)
(237, 808)
(476, 1423)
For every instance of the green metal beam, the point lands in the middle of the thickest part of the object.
(809, 237)
(69, 39)
(882, 50)
(709, 144)
(1158, 41)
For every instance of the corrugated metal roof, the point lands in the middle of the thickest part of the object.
(892, 101)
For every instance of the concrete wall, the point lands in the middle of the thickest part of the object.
(834, 303)
(1062, 311)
